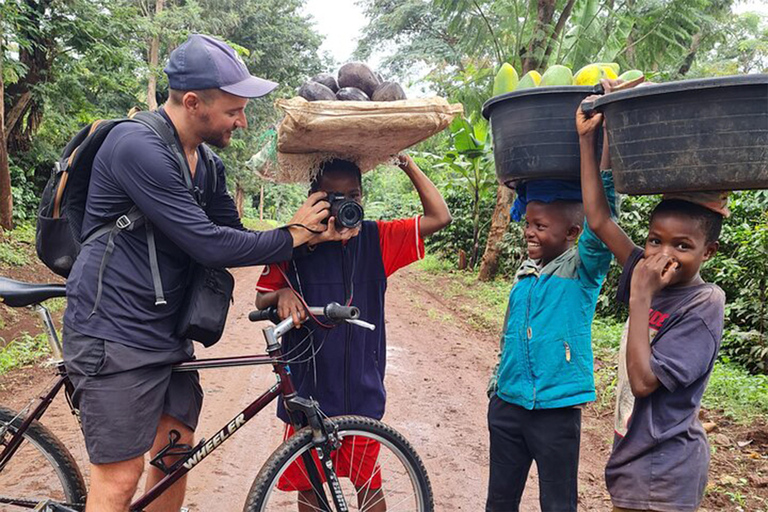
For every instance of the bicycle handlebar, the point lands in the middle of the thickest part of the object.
(264, 314)
(333, 311)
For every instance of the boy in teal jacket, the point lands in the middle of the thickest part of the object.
(545, 368)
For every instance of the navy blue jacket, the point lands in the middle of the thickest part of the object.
(346, 354)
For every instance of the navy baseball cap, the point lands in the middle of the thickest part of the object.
(203, 62)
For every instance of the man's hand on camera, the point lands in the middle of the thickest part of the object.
(332, 234)
(309, 218)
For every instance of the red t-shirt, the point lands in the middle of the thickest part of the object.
(400, 241)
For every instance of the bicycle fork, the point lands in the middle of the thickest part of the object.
(323, 444)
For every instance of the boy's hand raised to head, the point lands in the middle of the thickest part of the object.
(404, 161)
(588, 124)
(436, 214)
(653, 274)
(609, 84)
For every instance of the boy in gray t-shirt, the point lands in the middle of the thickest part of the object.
(660, 455)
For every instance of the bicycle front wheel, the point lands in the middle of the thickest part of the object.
(378, 470)
(42, 469)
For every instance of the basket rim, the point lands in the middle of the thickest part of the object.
(547, 89)
(695, 84)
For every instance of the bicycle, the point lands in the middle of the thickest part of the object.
(39, 471)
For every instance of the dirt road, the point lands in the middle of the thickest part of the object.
(437, 371)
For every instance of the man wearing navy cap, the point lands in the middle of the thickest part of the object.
(119, 342)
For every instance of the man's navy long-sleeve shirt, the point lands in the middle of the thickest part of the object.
(134, 166)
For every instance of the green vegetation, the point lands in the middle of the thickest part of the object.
(15, 249)
(259, 225)
(65, 64)
(22, 351)
(740, 395)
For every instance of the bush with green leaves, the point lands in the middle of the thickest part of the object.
(459, 234)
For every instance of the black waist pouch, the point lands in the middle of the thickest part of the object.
(204, 313)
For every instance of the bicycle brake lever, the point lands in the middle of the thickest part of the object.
(363, 324)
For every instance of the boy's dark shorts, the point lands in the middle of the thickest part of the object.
(123, 391)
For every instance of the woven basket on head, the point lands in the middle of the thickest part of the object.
(366, 132)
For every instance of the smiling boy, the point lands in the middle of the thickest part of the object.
(545, 367)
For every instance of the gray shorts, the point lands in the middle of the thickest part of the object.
(122, 391)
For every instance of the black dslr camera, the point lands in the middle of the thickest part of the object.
(347, 212)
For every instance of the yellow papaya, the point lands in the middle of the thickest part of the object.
(556, 75)
(530, 79)
(609, 72)
(589, 75)
(506, 80)
(613, 65)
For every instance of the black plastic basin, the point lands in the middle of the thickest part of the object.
(708, 134)
(534, 133)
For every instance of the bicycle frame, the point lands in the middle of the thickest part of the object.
(284, 387)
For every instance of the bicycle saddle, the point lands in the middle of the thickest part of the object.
(17, 294)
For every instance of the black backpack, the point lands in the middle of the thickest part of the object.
(59, 234)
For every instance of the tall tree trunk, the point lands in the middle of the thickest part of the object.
(6, 198)
(37, 59)
(534, 54)
(499, 223)
(239, 199)
(561, 21)
(261, 202)
(16, 111)
(154, 49)
(630, 52)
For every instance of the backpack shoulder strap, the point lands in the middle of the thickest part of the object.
(157, 123)
(210, 165)
(135, 218)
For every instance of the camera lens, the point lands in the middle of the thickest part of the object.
(350, 214)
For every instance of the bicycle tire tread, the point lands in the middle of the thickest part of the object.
(52, 445)
(279, 457)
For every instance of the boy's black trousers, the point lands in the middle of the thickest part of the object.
(518, 436)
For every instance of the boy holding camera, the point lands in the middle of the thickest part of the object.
(347, 375)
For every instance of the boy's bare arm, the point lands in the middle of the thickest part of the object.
(649, 277)
(288, 304)
(436, 214)
(266, 299)
(596, 206)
